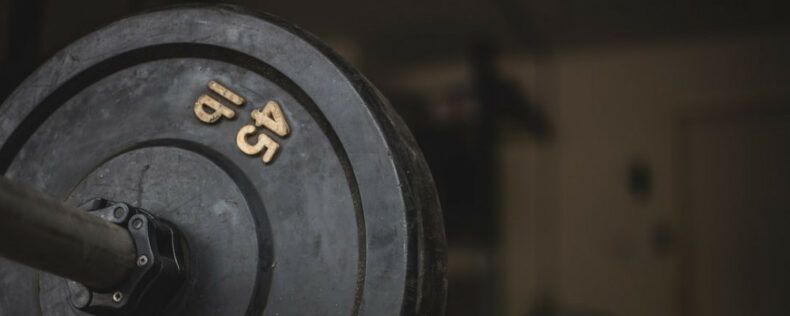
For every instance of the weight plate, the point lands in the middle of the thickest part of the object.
(333, 212)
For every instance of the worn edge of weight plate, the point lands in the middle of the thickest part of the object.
(427, 255)
(431, 254)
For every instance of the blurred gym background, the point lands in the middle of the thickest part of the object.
(624, 157)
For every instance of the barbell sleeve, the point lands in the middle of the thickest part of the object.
(40, 232)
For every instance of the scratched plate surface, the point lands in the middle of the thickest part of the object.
(297, 187)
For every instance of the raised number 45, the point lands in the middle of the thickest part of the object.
(271, 117)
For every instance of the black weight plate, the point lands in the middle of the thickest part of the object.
(344, 220)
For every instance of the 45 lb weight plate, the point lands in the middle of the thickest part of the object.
(297, 188)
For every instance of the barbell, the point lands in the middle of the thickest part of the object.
(206, 160)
